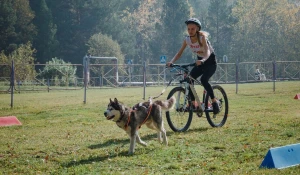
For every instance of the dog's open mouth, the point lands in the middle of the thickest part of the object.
(110, 117)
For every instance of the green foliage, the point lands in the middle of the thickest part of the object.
(78, 20)
(73, 28)
(199, 9)
(24, 27)
(23, 61)
(7, 21)
(172, 29)
(142, 24)
(147, 29)
(219, 25)
(45, 41)
(58, 69)
(15, 24)
(101, 45)
(173, 17)
(259, 32)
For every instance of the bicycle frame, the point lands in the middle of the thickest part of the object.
(180, 119)
(186, 85)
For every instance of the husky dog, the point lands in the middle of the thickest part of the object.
(131, 119)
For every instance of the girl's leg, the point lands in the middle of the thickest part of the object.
(207, 73)
(195, 73)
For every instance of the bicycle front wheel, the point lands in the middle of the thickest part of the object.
(217, 120)
(179, 118)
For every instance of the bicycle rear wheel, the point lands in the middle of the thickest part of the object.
(217, 120)
(179, 119)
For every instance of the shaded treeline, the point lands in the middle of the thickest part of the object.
(244, 30)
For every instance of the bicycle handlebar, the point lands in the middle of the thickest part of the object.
(183, 67)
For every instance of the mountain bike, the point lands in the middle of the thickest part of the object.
(180, 118)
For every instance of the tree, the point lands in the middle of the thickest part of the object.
(23, 60)
(219, 24)
(199, 9)
(45, 42)
(58, 69)
(104, 46)
(7, 21)
(15, 24)
(24, 27)
(171, 29)
(266, 30)
(141, 22)
(78, 20)
(71, 28)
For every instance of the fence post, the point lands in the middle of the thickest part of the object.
(85, 78)
(226, 73)
(12, 83)
(100, 81)
(274, 75)
(19, 86)
(144, 80)
(247, 73)
(130, 73)
(48, 84)
(236, 76)
(165, 77)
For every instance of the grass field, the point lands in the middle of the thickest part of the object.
(61, 135)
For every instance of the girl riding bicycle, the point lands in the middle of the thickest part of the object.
(206, 64)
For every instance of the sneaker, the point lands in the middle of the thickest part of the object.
(216, 107)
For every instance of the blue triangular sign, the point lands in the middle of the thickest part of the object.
(282, 157)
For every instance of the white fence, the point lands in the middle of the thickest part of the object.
(116, 75)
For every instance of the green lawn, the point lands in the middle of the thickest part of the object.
(61, 135)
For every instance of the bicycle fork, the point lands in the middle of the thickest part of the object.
(185, 102)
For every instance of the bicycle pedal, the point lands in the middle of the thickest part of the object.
(197, 109)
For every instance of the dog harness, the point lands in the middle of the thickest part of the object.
(149, 111)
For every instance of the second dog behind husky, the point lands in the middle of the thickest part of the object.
(131, 119)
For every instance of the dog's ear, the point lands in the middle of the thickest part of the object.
(116, 100)
(110, 100)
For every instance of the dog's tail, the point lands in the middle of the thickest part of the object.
(167, 104)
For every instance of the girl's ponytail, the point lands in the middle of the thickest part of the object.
(201, 33)
(198, 37)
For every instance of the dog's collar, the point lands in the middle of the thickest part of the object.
(128, 119)
(122, 116)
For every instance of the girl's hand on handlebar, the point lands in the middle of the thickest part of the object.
(169, 64)
(199, 62)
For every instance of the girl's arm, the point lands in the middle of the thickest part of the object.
(178, 54)
(206, 52)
